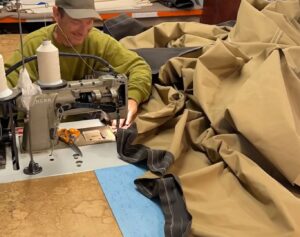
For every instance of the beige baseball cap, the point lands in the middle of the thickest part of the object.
(79, 9)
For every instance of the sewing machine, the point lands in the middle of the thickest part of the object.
(104, 92)
(107, 94)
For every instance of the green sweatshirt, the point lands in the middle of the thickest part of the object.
(73, 68)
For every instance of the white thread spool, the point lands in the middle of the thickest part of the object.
(4, 90)
(48, 64)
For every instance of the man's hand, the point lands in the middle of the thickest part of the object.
(132, 110)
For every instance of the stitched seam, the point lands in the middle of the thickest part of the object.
(168, 202)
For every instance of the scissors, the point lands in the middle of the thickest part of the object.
(69, 137)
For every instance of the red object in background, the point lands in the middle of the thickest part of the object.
(217, 11)
(19, 131)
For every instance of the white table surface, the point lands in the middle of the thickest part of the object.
(62, 162)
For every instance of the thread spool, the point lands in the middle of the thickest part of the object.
(48, 64)
(4, 90)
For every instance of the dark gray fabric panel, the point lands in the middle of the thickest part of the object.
(158, 161)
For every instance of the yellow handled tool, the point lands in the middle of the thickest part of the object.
(69, 137)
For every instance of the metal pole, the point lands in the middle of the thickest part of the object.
(18, 5)
(33, 167)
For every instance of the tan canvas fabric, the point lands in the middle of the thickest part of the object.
(166, 34)
(233, 128)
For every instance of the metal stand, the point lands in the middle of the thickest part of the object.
(33, 167)
(62, 84)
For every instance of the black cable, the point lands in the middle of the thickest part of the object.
(18, 64)
(34, 57)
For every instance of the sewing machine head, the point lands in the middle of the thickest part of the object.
(107, 93)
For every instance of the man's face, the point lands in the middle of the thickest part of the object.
(75, 30)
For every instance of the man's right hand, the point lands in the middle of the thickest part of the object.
(131, 114)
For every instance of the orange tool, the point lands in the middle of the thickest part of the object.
(69, 137)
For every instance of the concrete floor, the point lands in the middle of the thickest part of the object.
(8, 44)
(68, 205)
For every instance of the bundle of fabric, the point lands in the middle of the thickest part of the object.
(220, 133)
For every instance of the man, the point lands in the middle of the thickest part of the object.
(74, 33)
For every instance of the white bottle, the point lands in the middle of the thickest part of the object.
(48, 64)
(4, 90)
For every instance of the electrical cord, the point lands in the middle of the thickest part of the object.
(62, 54)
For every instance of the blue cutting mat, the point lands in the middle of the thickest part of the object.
(136, 215)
